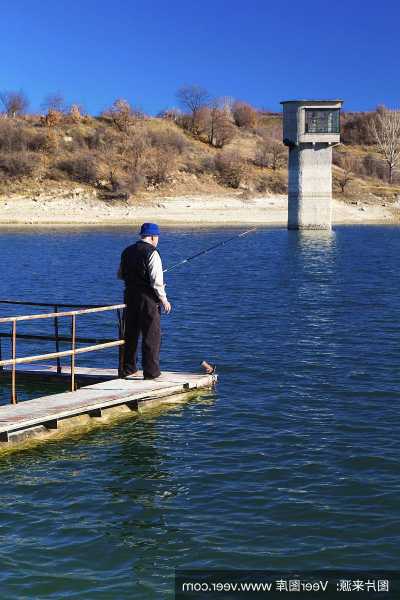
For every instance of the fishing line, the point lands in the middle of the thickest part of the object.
(189, 258)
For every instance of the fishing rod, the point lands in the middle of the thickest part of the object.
(189, 258)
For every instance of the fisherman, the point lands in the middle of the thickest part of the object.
(141, 270)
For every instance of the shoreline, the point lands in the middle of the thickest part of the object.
(184, 226)
(189, 212)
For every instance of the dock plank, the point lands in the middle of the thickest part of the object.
(91, 399)
(42, 372)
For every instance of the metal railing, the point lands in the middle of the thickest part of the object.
(57, 338)
(13, 361)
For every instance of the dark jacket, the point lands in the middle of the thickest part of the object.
(135, 268)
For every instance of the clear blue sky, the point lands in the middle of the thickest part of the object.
(94, 51)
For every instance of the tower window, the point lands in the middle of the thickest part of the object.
(323, 120)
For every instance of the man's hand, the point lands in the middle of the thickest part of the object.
(167, 306)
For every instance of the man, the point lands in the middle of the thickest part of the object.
(141, 269)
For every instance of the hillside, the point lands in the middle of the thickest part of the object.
(125, 156)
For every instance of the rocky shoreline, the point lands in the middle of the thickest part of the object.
(79, 207)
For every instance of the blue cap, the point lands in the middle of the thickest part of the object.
(149, 229)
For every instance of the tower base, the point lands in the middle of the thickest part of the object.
(310, 187)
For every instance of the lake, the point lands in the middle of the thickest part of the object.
(291, 463)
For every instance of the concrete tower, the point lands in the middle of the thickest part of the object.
(310, 129)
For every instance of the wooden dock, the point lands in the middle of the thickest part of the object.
(103, 393)
(39, 372)
(38, 417)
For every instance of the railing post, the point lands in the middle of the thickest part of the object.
(121, 335)
(57, 340)
(1, 366)
(71, 353)
(73, 334)
(14, 355)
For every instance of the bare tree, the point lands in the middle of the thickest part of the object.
(346, 175)
(211, 121)
(226, 104)
(215, 122)
(192, 99)
(386, 131)
(54, 101)
(14, 103)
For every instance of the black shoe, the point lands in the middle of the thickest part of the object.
(150, 377)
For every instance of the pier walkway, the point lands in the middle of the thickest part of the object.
(94, 393)
(36, 417)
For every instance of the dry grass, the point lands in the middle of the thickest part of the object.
(154, 155)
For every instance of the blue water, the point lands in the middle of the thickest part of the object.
(293, 461)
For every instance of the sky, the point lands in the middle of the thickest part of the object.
(262, 52)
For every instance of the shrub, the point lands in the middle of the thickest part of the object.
(223, 134)
(185, 122)
(207, 164)
(356, 128)
(134, 183)
(262, 184)
(156, 166)
(270, 153)
(244, 115)
(230, 168)
(374, 167)
(167, 139)
(278, 184)
(39, 142)
(79, 167)
(275, 183)
(13, 138)
(262, 155)
(75, 139)
(272, 130)
(123, 115)
(369, 165)
(103, 137)
(200, 166)
(53, 117)
(55, 174)
(135, 148)
(18, 165)
(223, 130)
(75, 113)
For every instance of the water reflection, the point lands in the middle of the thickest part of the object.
(318, 238)
(312, 302)
(312, 251)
